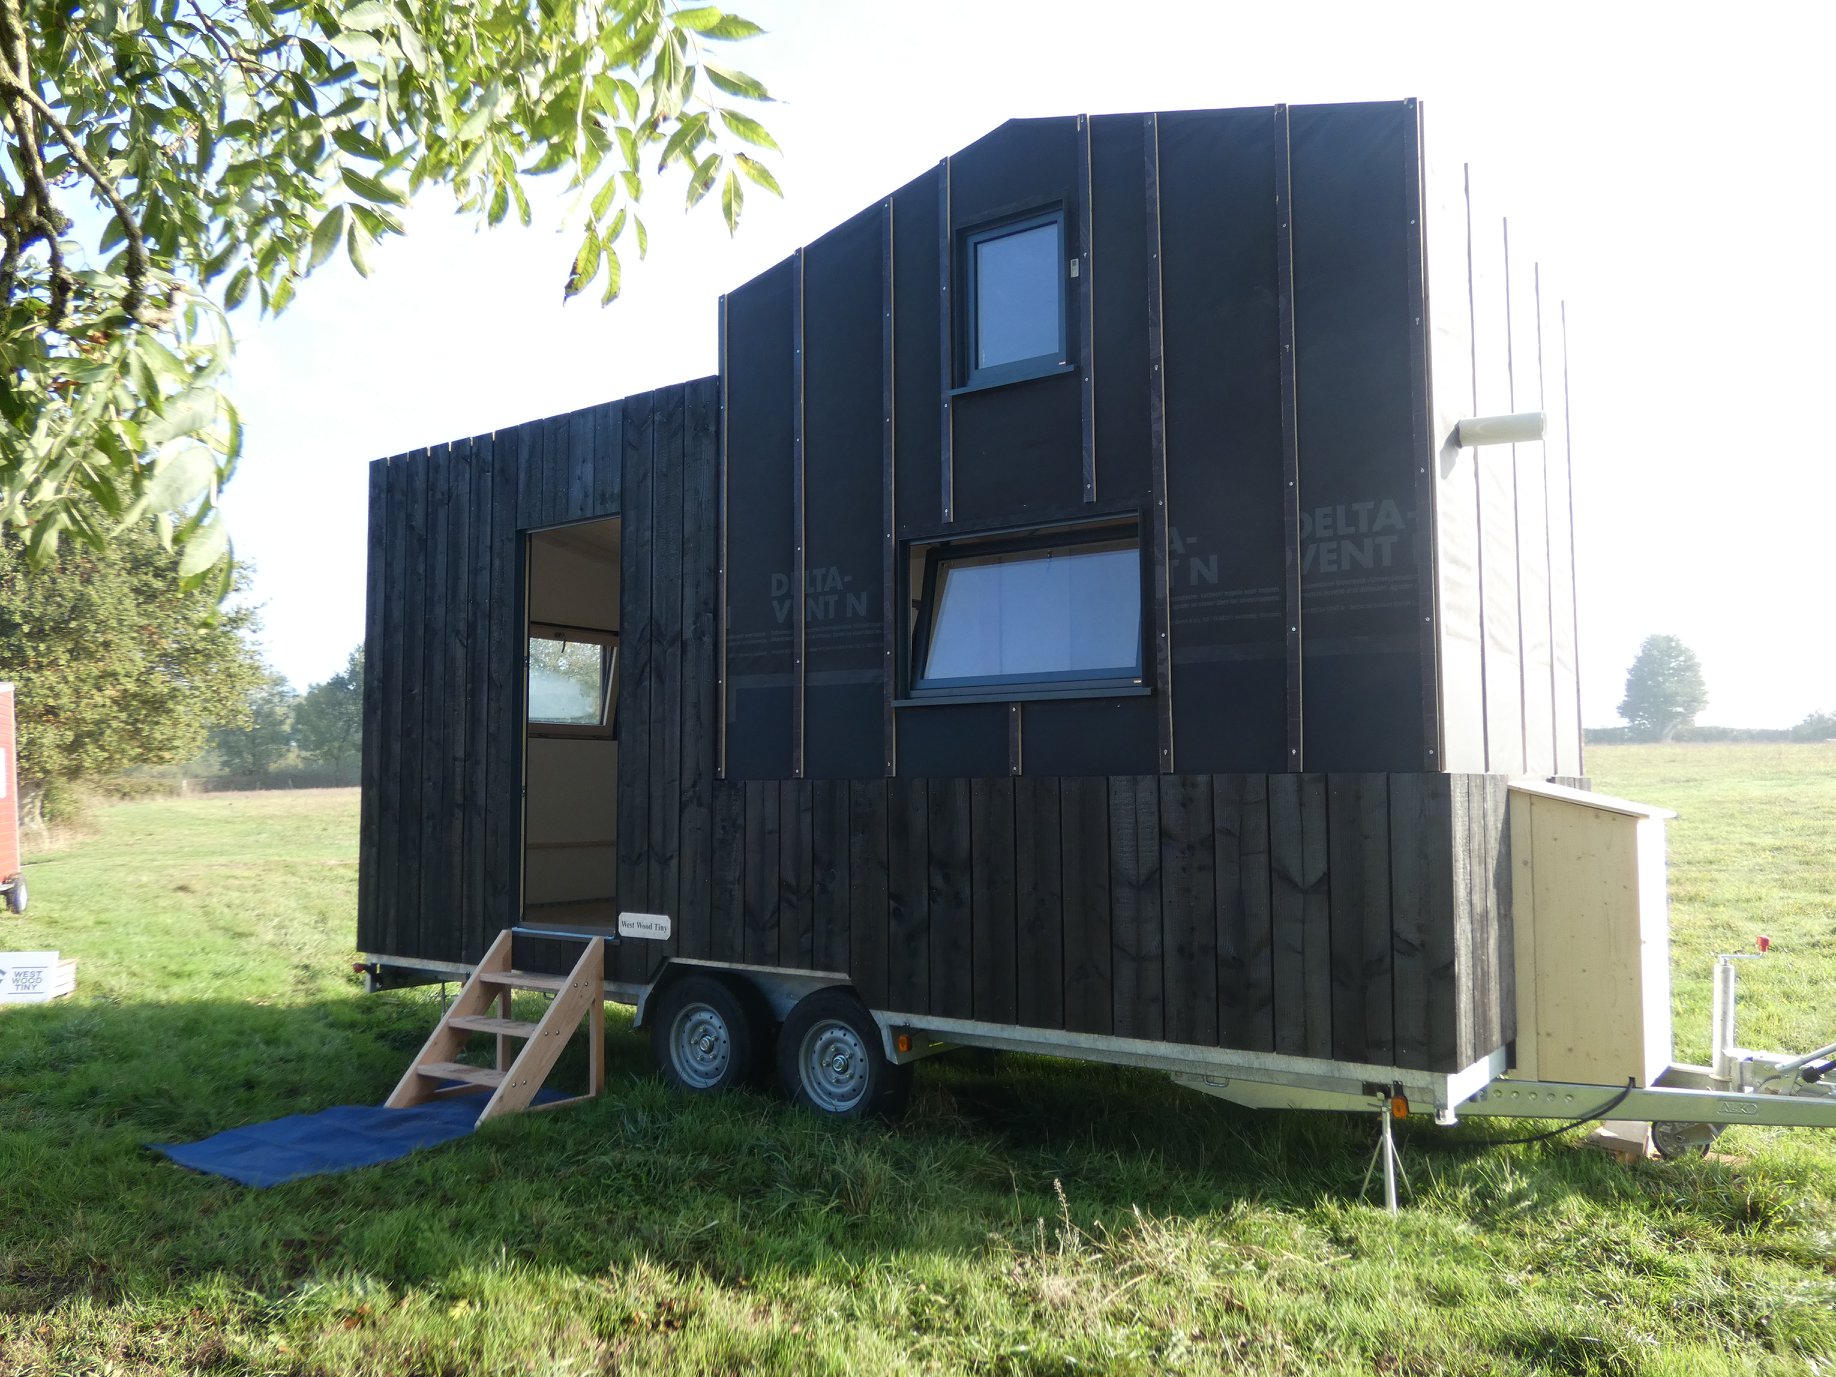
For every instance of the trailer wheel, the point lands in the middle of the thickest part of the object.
(1674, 1141)
(830, 1059)
(706, 1036)
(16, 895)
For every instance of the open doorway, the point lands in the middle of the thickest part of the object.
(570, 748)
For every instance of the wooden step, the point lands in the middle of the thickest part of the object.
(523, 980)
(483, 1023)
(459, 1071)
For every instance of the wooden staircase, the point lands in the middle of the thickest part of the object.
(515, 1080)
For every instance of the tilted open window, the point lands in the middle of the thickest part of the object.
(1013, 319)
(573, 681)
(1050, 611)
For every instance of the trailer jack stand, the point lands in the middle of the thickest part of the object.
(1387, 1154)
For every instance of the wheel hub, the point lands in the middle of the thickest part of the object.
(701, 1046)
(835, 1066)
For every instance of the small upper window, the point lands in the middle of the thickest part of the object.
(1015, 303)
(572, 679)
(1055, 610)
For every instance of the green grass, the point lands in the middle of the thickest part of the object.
(1027, 1217)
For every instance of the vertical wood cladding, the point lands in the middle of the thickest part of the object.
(1363, 917)
(441, 831)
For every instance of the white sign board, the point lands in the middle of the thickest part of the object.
(654, 926)
(27, 973)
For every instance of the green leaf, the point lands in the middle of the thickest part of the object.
(180, 478)
(613, 276)
(208, 544)
(371, 189)
(357, 145)
(370, 14)
(586, 265)
(749, 129)
(413, 50)
(757, 173)
(732, 198)
(730, 28)
(238, 290)
(357, 244)
(643, 236)
(603, 198)
(699, 20)
(482, 114)
(703, 179)
(186, 414)
(735, 83)
(688, 135)
(325, 237)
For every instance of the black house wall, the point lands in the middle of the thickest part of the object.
(1244, 373)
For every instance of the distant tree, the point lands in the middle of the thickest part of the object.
(1664, 689)
(258, 745)
(118, 663)
(1819, 726)
(328, 722)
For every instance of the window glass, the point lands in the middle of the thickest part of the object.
(1070, 611)
(568, 682)
(1019, 296)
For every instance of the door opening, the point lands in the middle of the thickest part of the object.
(570, 745)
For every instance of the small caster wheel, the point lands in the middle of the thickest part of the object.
(831, 1060)
(706, 1035)
(1674, 1141)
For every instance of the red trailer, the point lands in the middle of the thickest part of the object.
(12, 881)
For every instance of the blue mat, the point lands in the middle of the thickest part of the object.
(343, 1138)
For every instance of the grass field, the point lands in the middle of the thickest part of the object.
(1027, 1217)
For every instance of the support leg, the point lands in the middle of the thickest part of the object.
(1386, 1153)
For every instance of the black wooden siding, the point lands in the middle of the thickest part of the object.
(1324, 915)
(441, 833)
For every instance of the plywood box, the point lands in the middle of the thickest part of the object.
(1591, 936)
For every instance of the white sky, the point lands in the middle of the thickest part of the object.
(1670, 166)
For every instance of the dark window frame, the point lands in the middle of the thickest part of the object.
(606, 729)
(1044, 684)
(968, 316)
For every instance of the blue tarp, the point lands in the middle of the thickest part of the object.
(338, 1139)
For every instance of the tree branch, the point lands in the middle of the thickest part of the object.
(16, 84)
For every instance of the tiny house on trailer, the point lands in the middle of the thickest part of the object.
(1080, 616)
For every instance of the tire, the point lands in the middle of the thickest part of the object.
(705, 1035)
(16, 895)
(831, 1060)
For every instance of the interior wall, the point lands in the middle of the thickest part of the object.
(570, 829)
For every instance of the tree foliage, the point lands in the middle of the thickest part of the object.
(328, 720)
(117, 661)
(1664, 689)
(1818, 726)
(165, 159)
(256, 746)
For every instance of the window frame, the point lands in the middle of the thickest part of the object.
(1072, 683)
(969, 316)
(606, 729)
